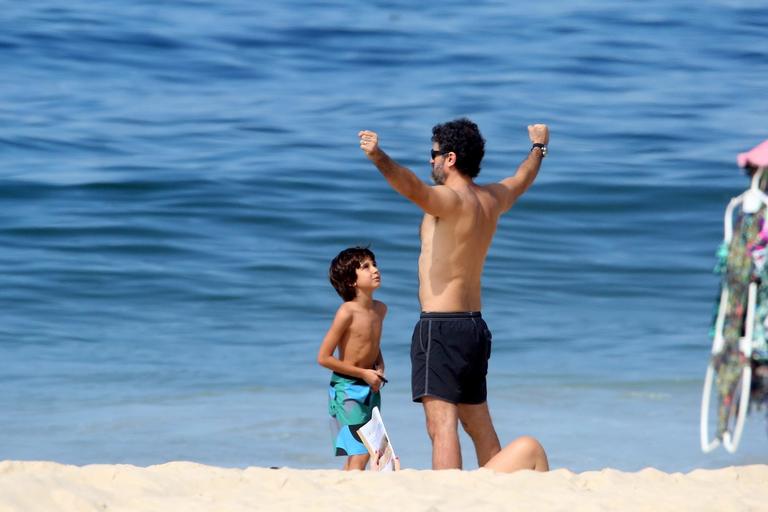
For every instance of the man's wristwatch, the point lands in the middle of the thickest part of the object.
(542, 147)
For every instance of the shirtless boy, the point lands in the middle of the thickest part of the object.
(451, 343)
(358, 371)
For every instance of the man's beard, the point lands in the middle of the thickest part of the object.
(438, 176)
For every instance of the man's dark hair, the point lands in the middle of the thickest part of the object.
(343, 273)
(461, 136)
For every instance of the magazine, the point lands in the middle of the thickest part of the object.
(375, 438)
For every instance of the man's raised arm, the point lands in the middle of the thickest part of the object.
(436, 201)
(509, 189)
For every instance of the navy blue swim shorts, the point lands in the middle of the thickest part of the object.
(449, 357)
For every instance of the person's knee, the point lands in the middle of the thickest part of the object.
(477, 427)
(534, 452)
(529, 445)
(441, 419)
(470, 427)
(438, 429)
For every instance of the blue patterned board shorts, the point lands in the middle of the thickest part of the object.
(350, 404)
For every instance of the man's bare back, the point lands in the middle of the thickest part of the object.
(453, 252)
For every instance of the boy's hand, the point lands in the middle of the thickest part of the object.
(369, 141)
(373, 378)
(375, 462)
(538, 133)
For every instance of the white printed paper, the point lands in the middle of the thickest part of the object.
(376, 440)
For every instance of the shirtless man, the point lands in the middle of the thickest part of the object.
(451, 343)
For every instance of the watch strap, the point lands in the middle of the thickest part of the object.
(542, 147)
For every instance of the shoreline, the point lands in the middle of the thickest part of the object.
(44, 486)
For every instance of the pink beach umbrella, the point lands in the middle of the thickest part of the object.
(757, 156)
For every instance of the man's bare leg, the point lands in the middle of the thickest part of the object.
(476, 420)
(442, 427)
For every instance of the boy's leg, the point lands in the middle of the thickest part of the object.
(442, 427)
(356, 462)
(476, 420)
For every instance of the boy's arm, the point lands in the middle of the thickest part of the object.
(509, 189)
(325, 356)
(437, 201)
(379, 364)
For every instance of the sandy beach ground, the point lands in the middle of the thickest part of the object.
(185, 486)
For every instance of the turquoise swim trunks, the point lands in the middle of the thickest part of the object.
(350, 404)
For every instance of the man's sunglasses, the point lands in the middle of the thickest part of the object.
(435, 152)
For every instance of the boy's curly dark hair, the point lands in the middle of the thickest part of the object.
(343, 273)
(461, 136)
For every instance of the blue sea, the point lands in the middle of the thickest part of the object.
(177, 176)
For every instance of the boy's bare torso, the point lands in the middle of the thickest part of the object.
(453, 251)
(360, 343)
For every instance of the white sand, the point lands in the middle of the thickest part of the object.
(190, 487)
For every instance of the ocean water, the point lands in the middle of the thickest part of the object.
(176, 178)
